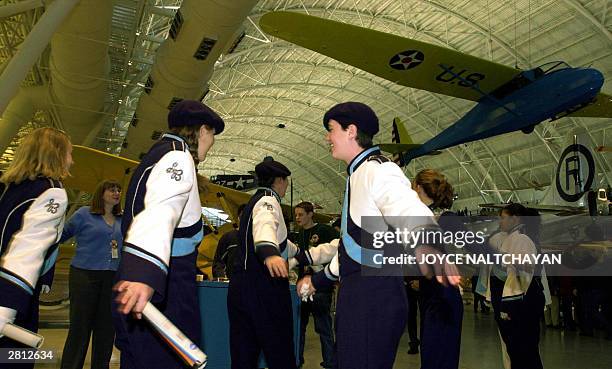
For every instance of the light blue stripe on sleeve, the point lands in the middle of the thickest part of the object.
(50, 262)
(18, 282)
(146, 257)
(185, 246)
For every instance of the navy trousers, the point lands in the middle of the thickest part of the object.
(370, 319)
(260, 316)
(441, 317)
(521, 334)
(28, 320)
(140, 345)
(320, 309)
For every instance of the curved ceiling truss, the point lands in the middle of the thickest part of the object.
(266, 82)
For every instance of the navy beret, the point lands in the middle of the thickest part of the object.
(271, 169)
(355, 113)
(194, 113)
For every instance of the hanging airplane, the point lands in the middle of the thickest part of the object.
(508, 99)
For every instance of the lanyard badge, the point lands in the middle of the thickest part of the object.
(114, 249)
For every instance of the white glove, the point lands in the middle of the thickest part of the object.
(6, 316)
(293, 263)
(306, 292)
(45, 288)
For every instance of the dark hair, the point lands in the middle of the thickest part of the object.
(515, 209)
(97, 200)
(191, 135)
(337, 223)
(363, 139)
(436, 187)
(307, 206)
(529, 217)
(265, 181)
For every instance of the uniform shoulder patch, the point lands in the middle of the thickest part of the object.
(379, 158)
(175, 172)
(52, 206)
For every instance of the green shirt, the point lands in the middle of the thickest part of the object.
(311, 237)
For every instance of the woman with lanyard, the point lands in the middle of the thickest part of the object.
(441, 306)
(162, 227)
(32, 207)
(516, 291)
(97, 229)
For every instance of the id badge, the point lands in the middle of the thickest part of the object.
(114, 249)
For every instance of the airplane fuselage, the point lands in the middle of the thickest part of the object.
(544, 98)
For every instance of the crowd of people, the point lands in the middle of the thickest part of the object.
(147, 253)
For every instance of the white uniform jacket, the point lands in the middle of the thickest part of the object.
(163, 215)
(31, 223)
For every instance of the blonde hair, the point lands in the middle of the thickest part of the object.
(43, 152)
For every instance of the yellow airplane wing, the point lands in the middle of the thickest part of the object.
(208, 247)
(92, 166)
(400, 60)
(601, 108)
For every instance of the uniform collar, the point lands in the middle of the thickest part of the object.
(361, 158)
(517, 228)
(175, 138)
(270, 189)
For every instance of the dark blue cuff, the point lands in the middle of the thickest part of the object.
(302, 257)
(511, 307)
(320, 281)
(137, 269)
(13, 296)
(263, 251)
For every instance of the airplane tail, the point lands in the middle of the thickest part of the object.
(399, 134)
(403, 148)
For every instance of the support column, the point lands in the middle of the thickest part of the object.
(31, 49)
(20, 111)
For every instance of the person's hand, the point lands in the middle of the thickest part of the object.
(444, 272)
(305, 288)
(132, 297)
(277, 266)
(7, 315)
(414, 285)
(504, 316)
(45, 289)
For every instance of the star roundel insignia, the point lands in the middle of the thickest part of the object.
(407, 60)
